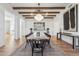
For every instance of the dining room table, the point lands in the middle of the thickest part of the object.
(41, 37)
(36, 41)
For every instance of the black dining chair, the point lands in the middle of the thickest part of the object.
(27, 40)
(37, 46)
(49, 36)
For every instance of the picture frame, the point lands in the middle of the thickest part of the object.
(71, 20)
(39, 26)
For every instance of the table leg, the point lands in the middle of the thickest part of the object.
(73, 43)
(60, 37)
(49, 43)
(57, 36)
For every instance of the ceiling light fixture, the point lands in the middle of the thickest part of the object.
(38, 16)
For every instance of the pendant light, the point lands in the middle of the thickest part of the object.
(38, 16)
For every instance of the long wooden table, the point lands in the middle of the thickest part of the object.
(70, 35)
(41, 37)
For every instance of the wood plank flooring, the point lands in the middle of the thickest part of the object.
(12, 45)
(67, 48)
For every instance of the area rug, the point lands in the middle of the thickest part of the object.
(53, 51)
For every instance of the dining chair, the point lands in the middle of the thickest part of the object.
(37, 46)
(28, 40)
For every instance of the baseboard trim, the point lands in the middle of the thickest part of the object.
(64, 41)
(67, 43)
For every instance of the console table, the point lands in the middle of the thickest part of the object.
(70, 35)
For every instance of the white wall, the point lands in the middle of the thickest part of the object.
(3, 8)
(7, 26)
(48, 24)
(17, 27)
(22, 27)
(17, 18)
(58, 23)
(2, 25)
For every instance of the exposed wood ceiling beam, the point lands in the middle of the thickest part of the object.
(29, 17)
(48, 17)
(38, 12)
(42, 15)
(38, 7)
(33, 17)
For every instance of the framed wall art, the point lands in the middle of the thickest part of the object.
(39, 26)
(71, 20)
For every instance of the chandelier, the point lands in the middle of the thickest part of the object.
(38, 16)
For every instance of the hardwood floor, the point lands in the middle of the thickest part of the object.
(67, 48)
(12, 45)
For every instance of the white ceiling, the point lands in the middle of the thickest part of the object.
(43, 10)
(41, 4)
(36, 5)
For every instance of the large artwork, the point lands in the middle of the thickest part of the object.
(39, 26)
(70, 20)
